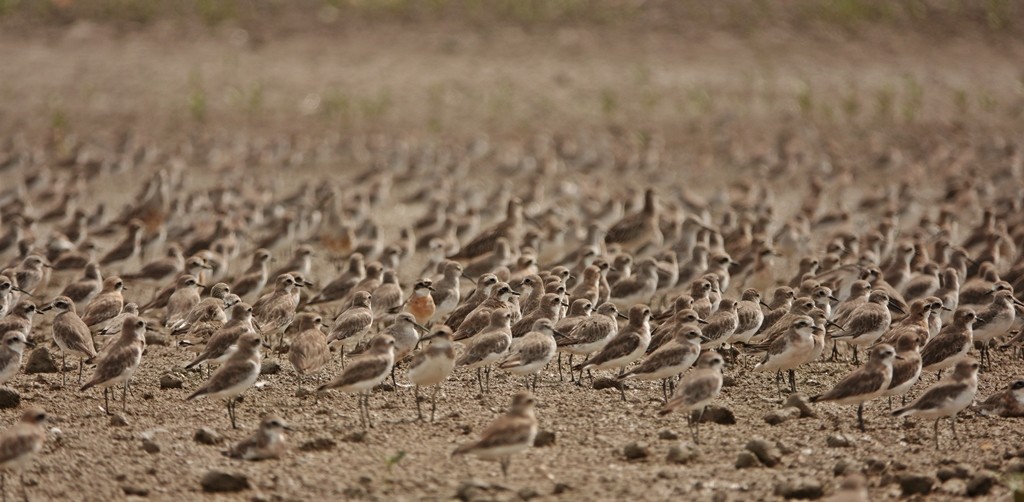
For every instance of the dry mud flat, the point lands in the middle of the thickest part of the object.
(591, 455)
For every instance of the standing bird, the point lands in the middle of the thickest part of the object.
(946, 398)
(721, 325)
(628, 345)
(865, 383)
(697, 390)
(531, 353)
(637, 231)
(749, 317)
(994, 321)
(789, 351)
(906, 369)
(951, 344)
(591, 334)
(184, 298)
(488, 346)
(19, 444)
(340, 287)
(119, 361)
(276, 311)
(266, 443)
(432, 366)
(421, 302)
(352, 322)
(11, 352)
(72, 335)
(218, 347)
(510, 434)
(255, 278)
(20, 319)
(309, 352)
(107, 305)
(129, 246)
(446, 292)
(365, 372)
(1008, 402)
(867, 323)
(670, 360)
(235, 376)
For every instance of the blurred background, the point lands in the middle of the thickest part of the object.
(663, 72)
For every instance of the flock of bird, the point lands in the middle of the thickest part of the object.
(437, 269)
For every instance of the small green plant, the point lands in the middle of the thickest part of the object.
(393, 460)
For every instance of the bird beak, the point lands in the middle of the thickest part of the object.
(947, 309)
(515, 293)
(702, 321)
(47, 265)
(704, 338)
(897, 356)
(207, 267)
(30, 344)
(896, 307)
(420, 327)
(45, 308)
(468, 278)
(558, 334)
(834, 325)
(288, 428)
(765, 305)
(621, 315)
(565, 304)
(833, 298)
(201, 285)
(431, 288)
(22, 291)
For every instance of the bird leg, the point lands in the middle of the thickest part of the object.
(479, 379)
(664, 390)
(860, 416)
(504, 466)
(416, 397)
(369, 419)
(792, 381)
(81, 363)
(106, 401)
(952, 426)
(63, 375)
(124, 397)
(433, 402)
(856, 356)
(560, 367)
(935, 433)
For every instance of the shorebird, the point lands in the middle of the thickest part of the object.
(129, 246)
(119, 361)
(696, 390)
(477, 320)
(208, 309)
(106, 305)
(637, 231)
(274, 312)
(628, 345)
(485, 285)
(365, 372)
(511, 228)
(355, 271)
(749, 317)
(639, 287)
(488, 346)
(218, 347)
(865, 383)
(510, 434)
(238, 373)
(352, 322)
(71, 334)
(160, 270)
(591, 334)
(185, 297)
(254, 279)
(951, 344)
(946, 398)
(19, 445)
(670, 360)
(994, 321)
(19, 319)
(309, 352)
(906, 370)
(1008, 402)
(432, 366)
(29, 275)
(301, 262)
(721, 325)
(529, 354)
(266, 443)
(866, 324)
(548, 308)
(11, 351)
(420, 303)
(387, 296)
(789, 351)
(446, 293)
(404, 333)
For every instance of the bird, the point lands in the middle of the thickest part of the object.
(404, 332)
(352, 322)
(71, 334)
(218, 347)
(208, 309)
(720, 325)
(365, 372)
(789, 351)
(119, 361)
(867, 323)
(446, 292)
(309, 351)
(951, 344)
(11, 352)
(255, 277)
(20, 319)
(639, 287)
(274, 312)
(106, 305)
(1008, 402)
(906, 370)
(865, 383)
(994, 320)
(946, 398)
(673, 358)
(267, 442)
(508, 435)
(591, 334)
(185, 297)
(488, 346)
(432, 365)
(387, 296)
(355, 271)
(158, 271)
(532, 352)
(421, 302)
(20, 444)
(696, 390)
(238, 373)
(749, 316)
(628, 345)
(637, 231)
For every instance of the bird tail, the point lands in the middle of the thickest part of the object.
(815, 398)
(198, 393)
(900, 412)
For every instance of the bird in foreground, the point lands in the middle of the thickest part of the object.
(1008, 402)
(217, 348)
(432, 366)
(946, 398)
(789, 351)
(71, 334)
(865, 383)
(365, 372)
(531, 353)
(510, 434)
(12, 347)
(309, 352)
(628, 345)
(696, 390)
(119, 361)
(19, 444)
(671, 359)
(352, 322)
(266, 443)
(235, 376)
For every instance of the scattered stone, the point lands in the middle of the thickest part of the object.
(719, 415)
(474, 489)
(981, 484)
(318, 444)
(9, 398)
(270, 367)
(150, 446)
(799, 401)
(528, 493)
(779, 416)
(838, 440)
(40, 361)
(635, 451)
(560, 488)
(746, 459)
(842, 467)
(135, 491)
(668, 435)
(118, 420)
(220, 482)
(385, 387)
(875, 466)
(153, 338)
(544, 438)
(148, 395)
(681, 453)
(169, 381)
(916, 484)
(601, 383)
(355, 437)
(803, 488)
(206, 435)
(766, 452)
(304, 392)
(728, 381)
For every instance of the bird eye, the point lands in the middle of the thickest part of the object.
(141, 324)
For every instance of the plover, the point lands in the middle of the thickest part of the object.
(508, 435)
(11, 352)
(208, 309)
(628, 345)
(548, 308)
(119, 361)
(20, 318)
(489, 346)
(309, 352)
(994, 321)
(432, 366)
(951, 344)
(218, 347)
(529, 354)
(485, 285)
(721, 325)
(696, 390)
(364, 373)
(352, 322)
(591, 334)
(388, 296)
(185, 297)
(267, 442)
(274, 312)
(254, 279)
(749, 316)
(1008, 402)
(446, 293)
(906, 370)
(867, 323)
(946, 398)
(670, 360)
(106, 305)
(639, 287)
(421, 302)
(71, 334)
(789, 351)
(20, 444)
(238, 373)
(158, 271)
(865, 383)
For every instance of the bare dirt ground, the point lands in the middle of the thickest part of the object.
(717, 99)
